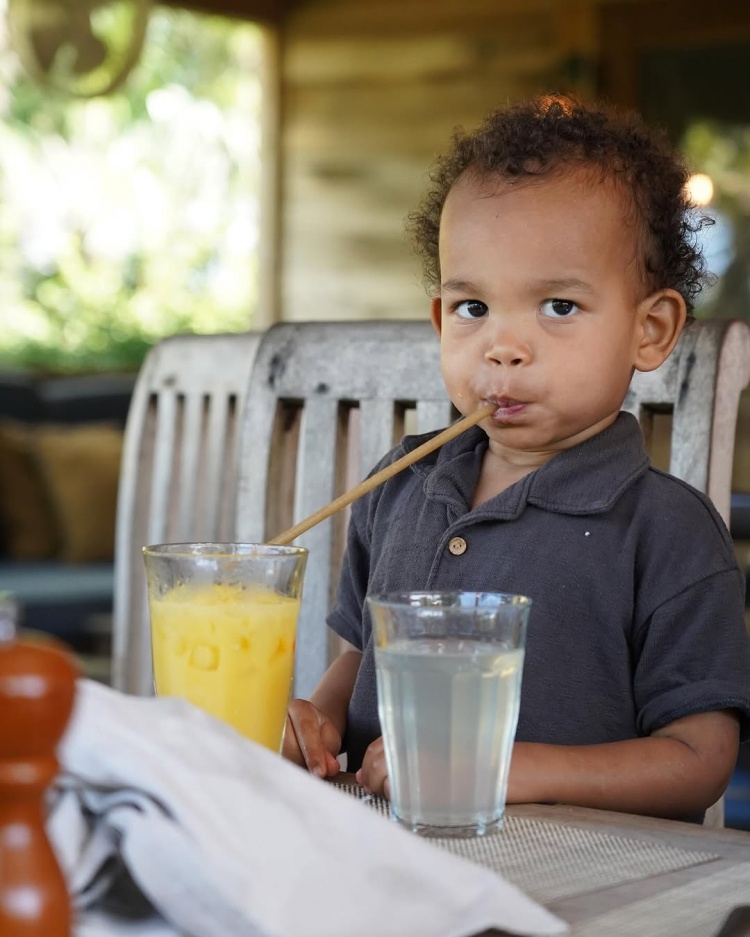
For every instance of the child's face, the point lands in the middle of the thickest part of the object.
(542, 310)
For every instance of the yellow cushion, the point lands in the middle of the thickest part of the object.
(80, 465)
(27, 519)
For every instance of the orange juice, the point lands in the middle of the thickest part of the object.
(228, 650)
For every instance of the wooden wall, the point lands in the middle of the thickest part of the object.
(370, 93)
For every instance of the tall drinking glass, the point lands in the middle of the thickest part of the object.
(449, 670)
(223, 627)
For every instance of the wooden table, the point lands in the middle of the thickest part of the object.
(612, 874)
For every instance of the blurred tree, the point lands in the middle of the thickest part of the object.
(130, 217)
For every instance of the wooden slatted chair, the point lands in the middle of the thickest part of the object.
(324, 402)
(177, 481)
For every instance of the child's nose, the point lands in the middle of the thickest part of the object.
(508, 349)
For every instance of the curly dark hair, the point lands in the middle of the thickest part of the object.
(555, 132)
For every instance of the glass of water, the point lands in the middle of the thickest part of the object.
(449, 668)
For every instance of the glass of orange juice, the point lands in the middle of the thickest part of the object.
(223, 627)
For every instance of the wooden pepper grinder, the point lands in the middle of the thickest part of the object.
(37, 686)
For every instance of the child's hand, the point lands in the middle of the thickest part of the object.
(373, 775)
(311, 739)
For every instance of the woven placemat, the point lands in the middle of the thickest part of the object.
(694, 910)
(527, 853)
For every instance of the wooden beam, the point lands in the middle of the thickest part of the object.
(259, 11)
(268, 309)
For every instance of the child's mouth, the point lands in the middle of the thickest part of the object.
(506, 407)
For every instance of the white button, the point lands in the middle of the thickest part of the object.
(457, 546)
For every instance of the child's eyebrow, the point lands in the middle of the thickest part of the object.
(458, 286)
(563, 283)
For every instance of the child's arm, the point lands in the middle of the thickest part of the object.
(678, 771)
(314, 728)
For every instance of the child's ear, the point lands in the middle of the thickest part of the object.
(436, 314)
(662, 317)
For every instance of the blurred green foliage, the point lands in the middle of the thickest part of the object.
(722, 151)
(127, 218)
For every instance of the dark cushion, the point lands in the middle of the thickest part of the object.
(19, 397)
(88, 398)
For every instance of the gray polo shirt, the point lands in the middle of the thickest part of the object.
(638, 601)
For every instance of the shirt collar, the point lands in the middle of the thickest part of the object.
(587, 479)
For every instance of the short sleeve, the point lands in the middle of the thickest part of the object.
(693, 655)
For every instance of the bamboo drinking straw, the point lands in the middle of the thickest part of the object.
(383, 475)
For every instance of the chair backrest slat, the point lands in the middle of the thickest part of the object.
(190, 449)
(316, 459)
(376, 431)
(315, 485)
(161, 473)
(732, 377)
(433, 414)
(219, 432)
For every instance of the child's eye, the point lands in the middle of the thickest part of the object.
(559, 308)
(471, 309)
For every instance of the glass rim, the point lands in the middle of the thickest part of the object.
(225, 548)
(405, 598)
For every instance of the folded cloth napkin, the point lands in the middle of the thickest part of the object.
(164, 813)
